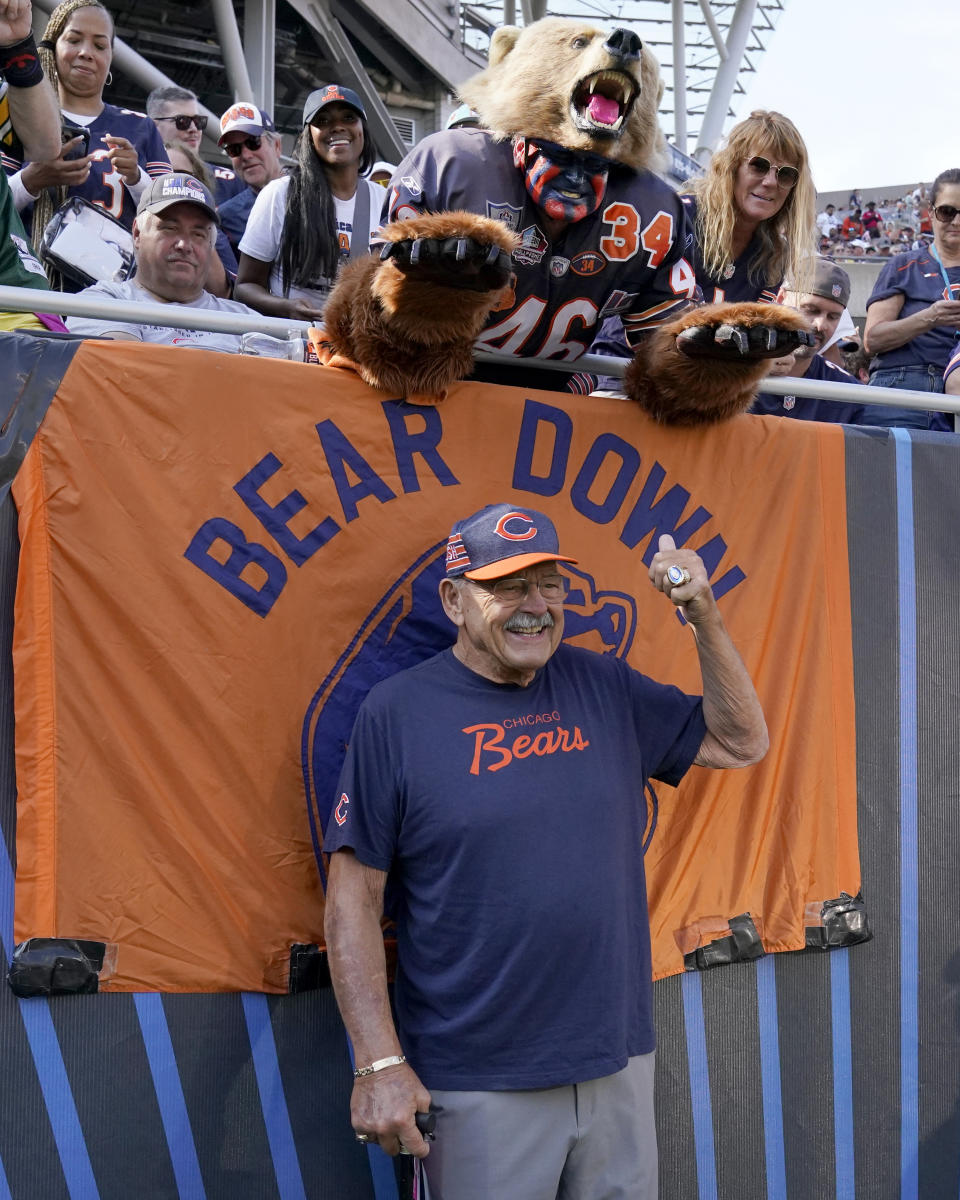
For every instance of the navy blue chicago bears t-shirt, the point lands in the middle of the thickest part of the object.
(511, 823)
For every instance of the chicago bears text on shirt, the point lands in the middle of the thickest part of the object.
(256, 572)
(493, 749)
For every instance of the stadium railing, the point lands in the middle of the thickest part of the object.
(13, 299)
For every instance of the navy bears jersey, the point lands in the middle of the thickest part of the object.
(630, 257)
(226, 184)
(808, 408)
(737, 283)
(104, 186)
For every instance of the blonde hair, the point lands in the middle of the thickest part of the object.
(50, 199)
(198, 167)
(786, 239)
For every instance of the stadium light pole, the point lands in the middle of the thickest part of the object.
(726, 79)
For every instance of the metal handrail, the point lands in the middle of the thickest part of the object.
(14, 299)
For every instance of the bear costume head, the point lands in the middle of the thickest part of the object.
(603, 94)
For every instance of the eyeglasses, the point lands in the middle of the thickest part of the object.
(786, 176)
(511, 591)
(235, 149)
(183, 121)
(945, 213)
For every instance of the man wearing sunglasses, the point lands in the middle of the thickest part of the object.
(176, 113)
(249, 140)
(500, 784)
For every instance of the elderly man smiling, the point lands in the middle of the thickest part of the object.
(500, 787)
(174, 234)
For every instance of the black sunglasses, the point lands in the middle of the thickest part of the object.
(786, 176)
(184, 121)
(234, 149)
(945, 213)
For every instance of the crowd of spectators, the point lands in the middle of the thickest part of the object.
(273, 233)
(877, 229)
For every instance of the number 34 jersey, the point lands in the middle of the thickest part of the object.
(631, 257)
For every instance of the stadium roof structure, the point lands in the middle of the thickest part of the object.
(705, 48)
(406, 58)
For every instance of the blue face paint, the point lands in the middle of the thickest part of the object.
(567, 184)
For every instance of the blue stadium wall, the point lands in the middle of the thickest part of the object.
(811, 1076)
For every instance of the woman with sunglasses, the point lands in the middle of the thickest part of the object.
(913, 314)
(305, 225)
(115, 153)
(753, 212)
(754, 220)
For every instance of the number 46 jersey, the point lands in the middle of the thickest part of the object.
(630, 257)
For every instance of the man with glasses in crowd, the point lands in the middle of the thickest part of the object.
(248, 137)
(176, 113)
(500, 786)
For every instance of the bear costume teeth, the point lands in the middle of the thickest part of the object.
(602, 102)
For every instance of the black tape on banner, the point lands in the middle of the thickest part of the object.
(56, 966)
(741, 944)
(842, 922)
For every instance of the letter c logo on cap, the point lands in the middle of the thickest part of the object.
(528, 532)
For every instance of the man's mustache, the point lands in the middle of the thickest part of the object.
(522, 622)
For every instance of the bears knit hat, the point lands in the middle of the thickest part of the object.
(245, 117)
(501, 539)
(177, 188)
(830, 281)
(333, 93)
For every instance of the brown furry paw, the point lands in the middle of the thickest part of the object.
(685, 375)
(743, 332)
(459, 250)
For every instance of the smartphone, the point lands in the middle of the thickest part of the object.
(68, 131)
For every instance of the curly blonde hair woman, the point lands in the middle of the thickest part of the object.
(754, 212)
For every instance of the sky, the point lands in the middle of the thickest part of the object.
(872, 87)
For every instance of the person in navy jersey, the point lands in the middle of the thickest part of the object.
(126, 150)
(753, 212)
(753, 219)
(823, 304)
(475, 781)
(571, 270)
(913, 314)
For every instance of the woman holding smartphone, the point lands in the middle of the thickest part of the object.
(122, 150)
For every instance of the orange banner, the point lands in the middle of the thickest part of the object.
(221, 555)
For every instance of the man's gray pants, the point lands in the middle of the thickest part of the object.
(585, 1141)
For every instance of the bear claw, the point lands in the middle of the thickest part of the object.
(458, 262)
(727, 341)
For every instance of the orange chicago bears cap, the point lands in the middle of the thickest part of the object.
(499, 540)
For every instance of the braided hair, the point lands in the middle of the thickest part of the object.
(50, 199)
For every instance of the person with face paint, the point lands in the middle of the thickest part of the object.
(597, 238)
